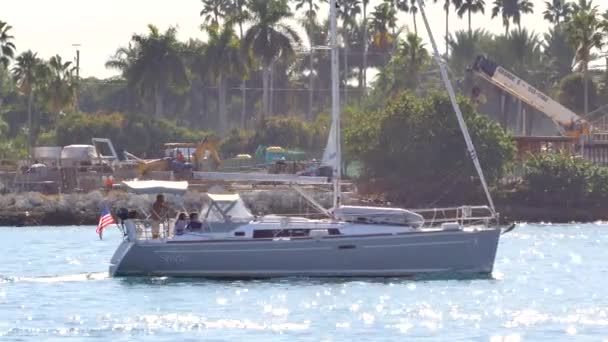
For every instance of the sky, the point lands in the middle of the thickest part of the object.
(100, 27)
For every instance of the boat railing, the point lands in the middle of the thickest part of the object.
(143, 229)
(464, 215)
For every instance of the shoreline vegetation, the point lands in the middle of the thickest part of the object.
(35, 209)
(256, 80)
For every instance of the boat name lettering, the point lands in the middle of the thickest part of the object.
(173, 259)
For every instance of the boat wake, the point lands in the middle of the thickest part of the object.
(57, 278)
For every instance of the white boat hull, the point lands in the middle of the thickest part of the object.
(381, 255)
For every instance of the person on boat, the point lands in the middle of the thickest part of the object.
(179, 157)
(181, 224)
(195, 224)
(159, 214)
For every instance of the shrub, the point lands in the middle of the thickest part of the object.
(416, 148)
(565, 180)
(288, 132)
(136, 133)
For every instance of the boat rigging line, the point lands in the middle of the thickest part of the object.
(463, 126)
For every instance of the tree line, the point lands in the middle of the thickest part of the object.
(255, 63)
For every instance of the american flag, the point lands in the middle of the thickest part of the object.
(105, 219)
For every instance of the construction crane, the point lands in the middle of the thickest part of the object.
(568, 122)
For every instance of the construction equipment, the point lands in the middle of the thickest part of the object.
(196, 156)
(569, 123)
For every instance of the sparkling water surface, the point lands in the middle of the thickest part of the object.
(550, 284)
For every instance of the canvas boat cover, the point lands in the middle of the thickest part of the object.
(157, 187)
(378, 215)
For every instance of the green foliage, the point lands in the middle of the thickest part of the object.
(95, 95)
(571, 93)
(285, 131)
(288, 132)
(13, 149)
(153, 64)
(416, 146)
(7, 47)
(411, 58)
(565, 180)
(237, 142)
(136, 134)
(465, 46)
(558, 53)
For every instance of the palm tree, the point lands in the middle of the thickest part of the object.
(269, 38)
(123, 59)
(465, 46)
(221, 60)
(152, 65)
(237, 12)
(61, 87)
(446, 8)
(213, 11)
(511, 10)
(413, 9)
(348, 10)
(411, 58)
(311, 14)
(365, 45)
(558, 53)
(7, 51)
(523, 7)
(524, 52)
(556, 10)
(583, 5)
(316, 64)
(26, 74)
(7, 47)
(470, 7)
(584, 32)
(605, 26)
(383, 19)
(416, 57)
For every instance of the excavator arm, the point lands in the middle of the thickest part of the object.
(208, 147)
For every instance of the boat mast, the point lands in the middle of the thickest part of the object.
(335, 103)
(461, 122)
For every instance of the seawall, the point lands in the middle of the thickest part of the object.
(34, 209)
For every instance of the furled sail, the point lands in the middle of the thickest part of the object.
(330, 153)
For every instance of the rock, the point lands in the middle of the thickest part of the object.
(84, 208)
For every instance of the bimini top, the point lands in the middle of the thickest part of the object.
(156, 187)
(180, 145)
(223, 197)
(226, 208)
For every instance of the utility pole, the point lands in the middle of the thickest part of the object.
(77, 46)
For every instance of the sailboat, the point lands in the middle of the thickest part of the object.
(352, 241)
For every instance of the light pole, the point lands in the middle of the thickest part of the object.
(77, 46)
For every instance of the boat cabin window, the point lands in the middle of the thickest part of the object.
(277, 233)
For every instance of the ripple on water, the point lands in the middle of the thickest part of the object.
(548, 283)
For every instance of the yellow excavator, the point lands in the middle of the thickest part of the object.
(203, 152)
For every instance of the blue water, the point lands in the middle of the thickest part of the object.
(550, 283)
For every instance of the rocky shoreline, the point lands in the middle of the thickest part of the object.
(35, 209)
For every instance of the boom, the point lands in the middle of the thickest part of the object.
(568, 122)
